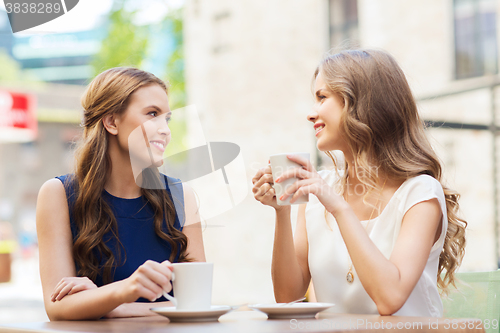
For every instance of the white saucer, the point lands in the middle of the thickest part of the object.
(295, 310)
(175, 315)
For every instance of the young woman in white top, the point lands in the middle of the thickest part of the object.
(380, 229)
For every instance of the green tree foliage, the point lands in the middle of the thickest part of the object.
(177, 92)
(125, 44)
(175, 63)
(11, 72)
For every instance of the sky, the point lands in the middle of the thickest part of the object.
(87, 13)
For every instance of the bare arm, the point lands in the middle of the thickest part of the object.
(192, 227)
(389, 282)
(56, 263)
(290, 270)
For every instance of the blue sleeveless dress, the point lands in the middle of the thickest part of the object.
(135, 219)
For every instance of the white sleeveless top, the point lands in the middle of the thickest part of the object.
(329, 261)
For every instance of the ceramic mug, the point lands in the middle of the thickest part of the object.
(192, 285)
(279, 164)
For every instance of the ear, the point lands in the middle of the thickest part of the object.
(109, 122)
(345, 102)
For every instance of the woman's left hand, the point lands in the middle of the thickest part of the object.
(309, 182)
(71, 285)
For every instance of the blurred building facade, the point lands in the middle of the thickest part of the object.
(66, 58)
(249, 68)
(60, 64)
(62, 58)
(26, 166)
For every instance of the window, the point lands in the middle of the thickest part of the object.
(475, 38)
(343, 22)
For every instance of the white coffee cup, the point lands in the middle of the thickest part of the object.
(192, 284)
(279, 164)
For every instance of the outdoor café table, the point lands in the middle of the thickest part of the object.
(255, 322)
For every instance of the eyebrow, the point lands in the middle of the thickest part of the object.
(318, 92)
(169, 113)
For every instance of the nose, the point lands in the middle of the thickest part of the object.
(313, 115)
(163, 128)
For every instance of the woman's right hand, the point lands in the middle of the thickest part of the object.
(263, 190)
(70, 286)
(148, 281)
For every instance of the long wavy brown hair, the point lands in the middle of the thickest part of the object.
(109, 93)
(384, 131)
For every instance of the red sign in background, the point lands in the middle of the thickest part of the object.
(18, 121)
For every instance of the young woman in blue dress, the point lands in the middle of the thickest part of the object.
(380, 233)
(108, 234)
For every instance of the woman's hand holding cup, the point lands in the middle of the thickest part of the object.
(271, 183)
(263, 190)
(148, 281)
(310, 182)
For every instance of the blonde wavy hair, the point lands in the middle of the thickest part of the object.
(384, 131)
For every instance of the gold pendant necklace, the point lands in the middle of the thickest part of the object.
(350, 275)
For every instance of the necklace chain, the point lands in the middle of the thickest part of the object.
(350, 273)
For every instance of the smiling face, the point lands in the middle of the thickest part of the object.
(325, 116)
(143, 128)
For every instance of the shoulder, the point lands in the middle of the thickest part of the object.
(70, 185)
(171, 180)
(190, 198)
(172, 183)
(423, 183)
(52, 202)
(175, 186)
(53, 223)
(68, 181)
(188, 190)
(184, 198)
(64, 178)
(418, 189)
(59, 188)
(53, 186)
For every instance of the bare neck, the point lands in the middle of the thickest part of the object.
(120, 180)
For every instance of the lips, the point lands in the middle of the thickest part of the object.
(158, 144)
(318, 128)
